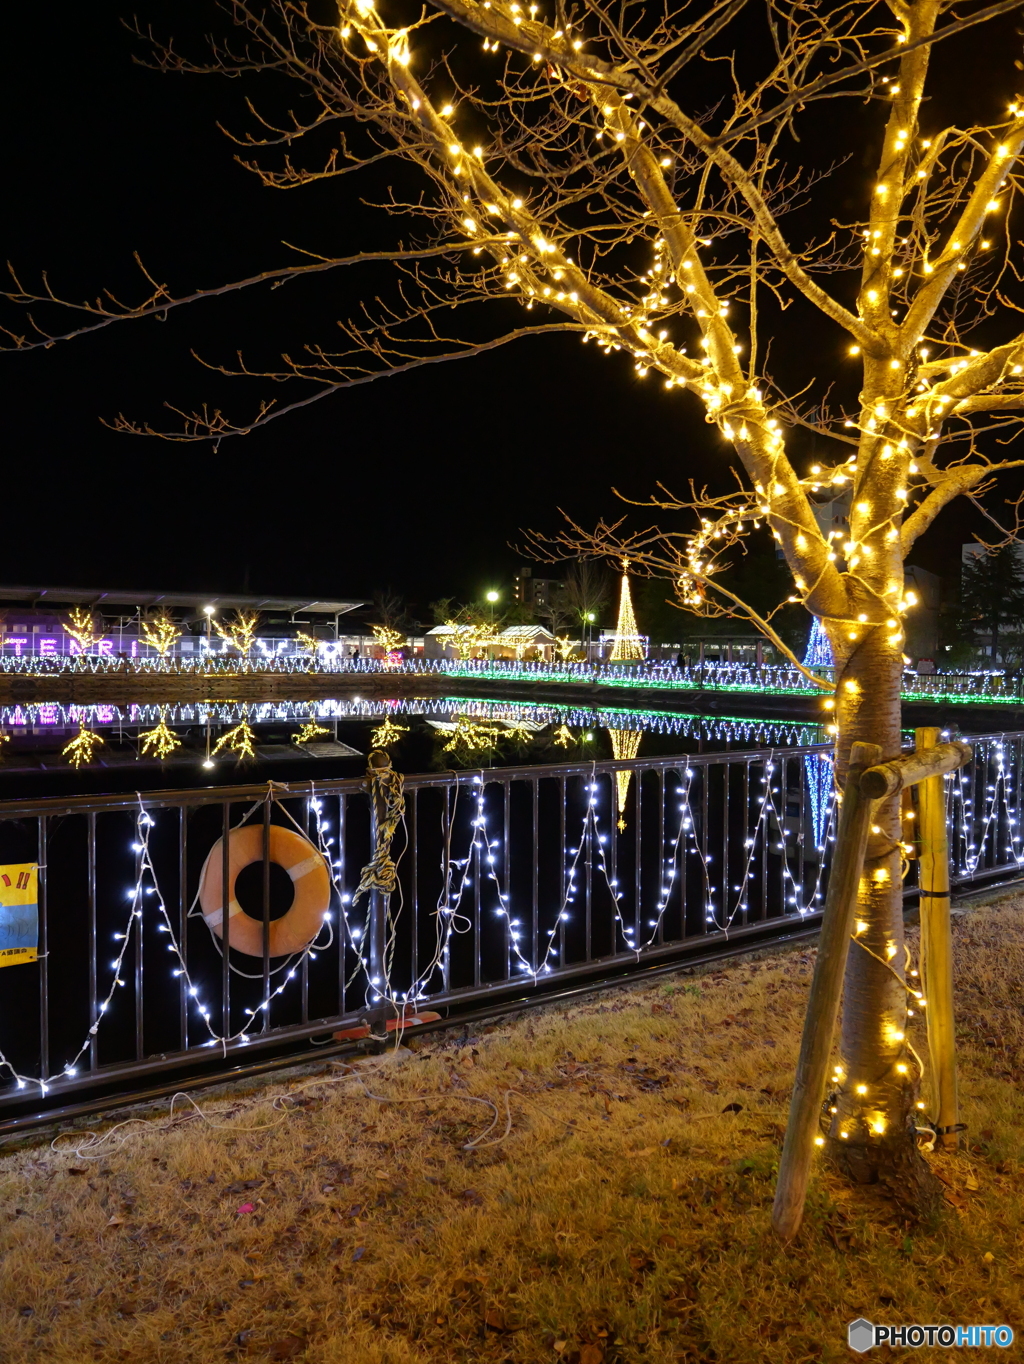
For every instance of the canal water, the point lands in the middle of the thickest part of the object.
(54, 749)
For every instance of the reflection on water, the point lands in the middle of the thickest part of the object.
(625, 744)
(421, 733)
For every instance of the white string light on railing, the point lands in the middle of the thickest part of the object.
(146, 872)
(488, 853)
(977, 831)
(723, 887)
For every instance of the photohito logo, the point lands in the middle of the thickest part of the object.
(862, 1335)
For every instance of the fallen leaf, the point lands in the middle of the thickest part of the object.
(733, 1108)
(494, 1319)
(677, 1307)
(559, 1346)
(988, 1257)
(591, 1354)
(666, 1240)
(359, 1252)
(972, 1182)
(116, 1222)
(246, 1207)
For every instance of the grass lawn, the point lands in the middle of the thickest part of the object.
(617, 1210)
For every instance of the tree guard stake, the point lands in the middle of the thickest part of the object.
(826, 991)
(867, 782)
(937, 947)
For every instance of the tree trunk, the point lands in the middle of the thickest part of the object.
(874, 1094)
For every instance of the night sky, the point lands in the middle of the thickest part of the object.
(417, 482)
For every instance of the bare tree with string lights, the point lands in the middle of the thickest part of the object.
(630, 176)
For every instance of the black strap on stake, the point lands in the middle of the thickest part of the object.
(953, 1127)
(934, 894)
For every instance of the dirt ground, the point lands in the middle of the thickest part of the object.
(577, 1185)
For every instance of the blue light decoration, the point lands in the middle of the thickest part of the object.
(818, 767)
(819, 650)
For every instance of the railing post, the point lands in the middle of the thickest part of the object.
(823, 1004)
(377, 914)
(937, 947)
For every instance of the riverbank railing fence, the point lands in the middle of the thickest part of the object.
(508, 880)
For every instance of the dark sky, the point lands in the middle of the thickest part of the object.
(419, 482)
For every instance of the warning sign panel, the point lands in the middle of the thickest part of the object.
(19, 913)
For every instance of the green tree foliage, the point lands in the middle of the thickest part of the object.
(992, 595)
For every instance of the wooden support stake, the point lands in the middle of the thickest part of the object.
(826, 991)
(937, 944)
(910, 768)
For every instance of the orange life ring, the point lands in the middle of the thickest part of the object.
(310, 878)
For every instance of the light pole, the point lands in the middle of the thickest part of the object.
(589, 617)
(492, 598)
(209, 612)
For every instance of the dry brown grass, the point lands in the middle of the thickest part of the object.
(624, 1218)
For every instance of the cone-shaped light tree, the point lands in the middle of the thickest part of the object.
(645, 176)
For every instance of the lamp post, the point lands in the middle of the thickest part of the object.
(492, 598)
(590, 617)
(209, 612)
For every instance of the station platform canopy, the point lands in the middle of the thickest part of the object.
(192, 604)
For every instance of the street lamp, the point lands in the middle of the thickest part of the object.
(590, 617)
(491, 598)
(209, 612)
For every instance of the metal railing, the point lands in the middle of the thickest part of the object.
(507, 878)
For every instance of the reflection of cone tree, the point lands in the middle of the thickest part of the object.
(625, 744)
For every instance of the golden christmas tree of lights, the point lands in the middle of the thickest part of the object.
(628, 646)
